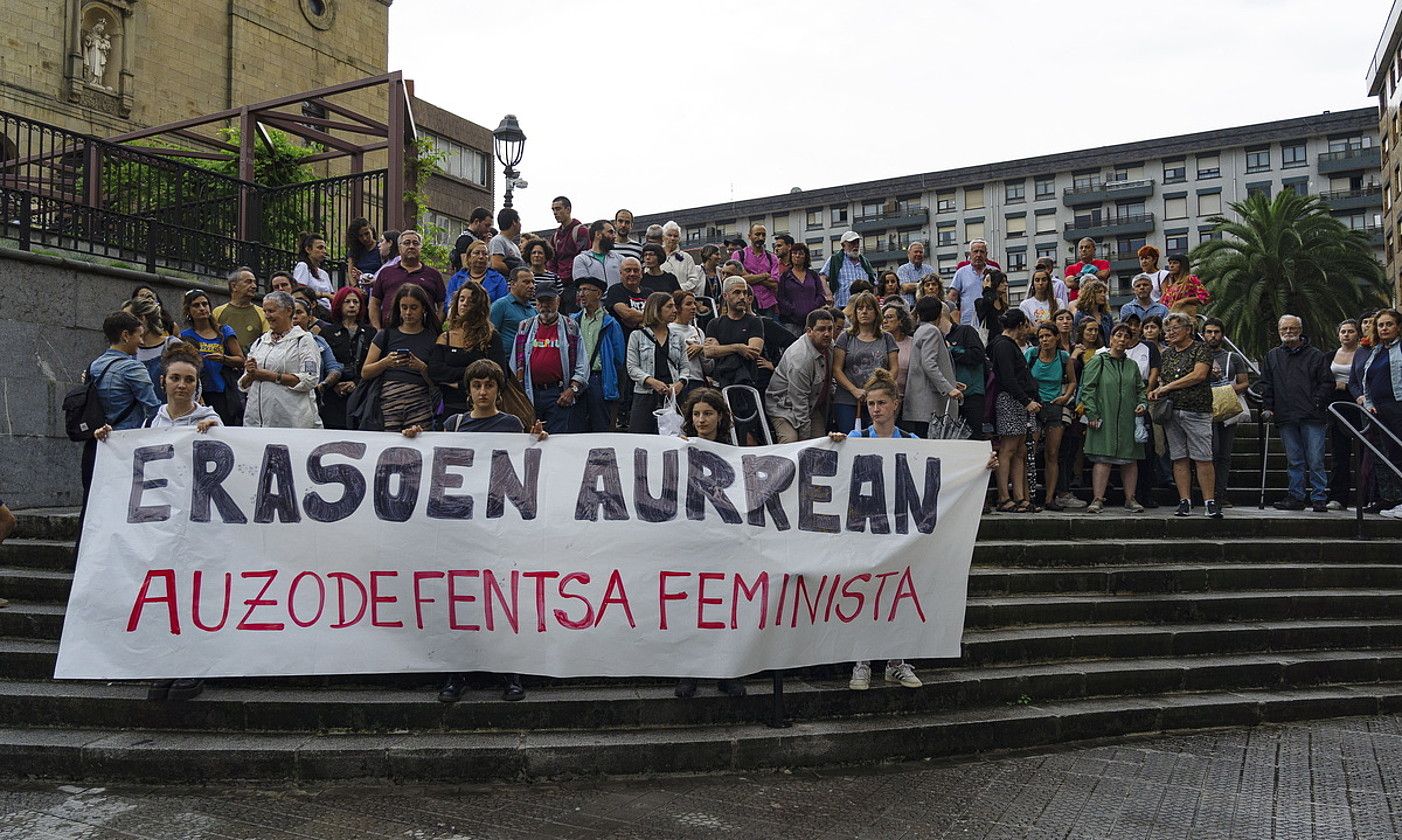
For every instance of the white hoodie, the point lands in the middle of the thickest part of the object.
(162, 420)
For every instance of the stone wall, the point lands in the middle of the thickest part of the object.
(51, 311)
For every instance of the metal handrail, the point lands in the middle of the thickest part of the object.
(1369, 421)
(1226, 339)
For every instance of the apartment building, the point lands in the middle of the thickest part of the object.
(1159, 191)
(1384, 74)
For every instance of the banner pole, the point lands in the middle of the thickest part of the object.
(777, 718)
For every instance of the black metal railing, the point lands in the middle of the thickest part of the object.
(1340, 410)
(1347, 154)
(69, 191)
(1337, 195)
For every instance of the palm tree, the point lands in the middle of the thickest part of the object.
(1287, 255)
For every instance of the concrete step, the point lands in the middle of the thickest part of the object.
(1116, 524)
(41, 585)
(1179, 577)
(47, 523)
(226, 706)
(1196, 552)
(31, 620)
(37, 554)
(1261, 605)
(161, 756)
(1054, 643)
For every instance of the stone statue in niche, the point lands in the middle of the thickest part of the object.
(96, 47)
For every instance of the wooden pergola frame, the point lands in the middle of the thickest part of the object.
(367, 135)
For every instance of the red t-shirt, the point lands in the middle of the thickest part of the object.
(1075, 268)
(545, 355)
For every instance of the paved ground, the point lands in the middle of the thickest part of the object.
(1330, 779)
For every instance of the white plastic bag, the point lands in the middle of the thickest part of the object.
(669, 422)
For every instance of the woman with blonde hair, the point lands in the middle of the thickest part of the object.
(856, 354)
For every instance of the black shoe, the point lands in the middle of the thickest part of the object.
(1289, 503)
(1214, 510)
(452, 689)
(1185, 508)
(1319, 507)
(731, 688)
(160, 690)
(513, 690)
(186, 689)
(685, 688)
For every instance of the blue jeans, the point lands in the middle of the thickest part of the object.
(556, 418)
(1304, 449)
(593, 413)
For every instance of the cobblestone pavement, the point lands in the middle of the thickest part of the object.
(1338, 778)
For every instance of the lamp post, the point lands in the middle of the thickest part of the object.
(509, 142)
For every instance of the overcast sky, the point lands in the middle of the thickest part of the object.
(659, 107)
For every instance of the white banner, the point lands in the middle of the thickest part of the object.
(281, 552)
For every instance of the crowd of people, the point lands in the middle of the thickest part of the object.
(590, 330)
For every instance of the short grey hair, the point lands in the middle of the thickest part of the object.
(913, 244)
(973, 242)
(1142, 276)
(735, 264)
(654, 230)
(282, 300)
(734, 282)
(1287, 316)
(1178, 318)
(234, 275)
(673, 227)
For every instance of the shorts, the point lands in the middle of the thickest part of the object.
(1010, 416)
(1051, 416)
(1189, 435)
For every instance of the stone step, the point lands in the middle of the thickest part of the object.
(1116, 524)
(47, 523)
(27, 658)
(161, 756)
(1261, 605)
(1051, 644)
(1197, 552)
(37, 554)
(228, 707)
(39, 585)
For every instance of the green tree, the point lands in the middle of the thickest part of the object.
(1286, 255)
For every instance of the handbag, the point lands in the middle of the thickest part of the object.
(1161, 410)
(1227, 404)
(363, 406)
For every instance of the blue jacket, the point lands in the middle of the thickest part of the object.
(494, 284)
(1393, 354)
(611, 351)
(125, 382)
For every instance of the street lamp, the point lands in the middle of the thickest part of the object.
(509, 142)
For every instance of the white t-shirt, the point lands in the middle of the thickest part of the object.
(1039, 312)
(1158, 283)
(319, 283)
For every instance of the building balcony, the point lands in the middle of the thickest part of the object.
(713, 238)
(1101, 192)
(886, 255)
(1375, 235)
(1363, 199)
(1350, 160)
(908, 218)
(1109, 227)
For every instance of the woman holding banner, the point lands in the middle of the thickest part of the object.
(485, 383)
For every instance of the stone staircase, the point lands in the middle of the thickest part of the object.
(1078, 627)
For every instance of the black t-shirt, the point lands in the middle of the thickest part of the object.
(499, 422)
(663, 282)
(735, 369)
(419, 343)
(620, 293)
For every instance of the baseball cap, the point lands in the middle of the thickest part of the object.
(851, 236)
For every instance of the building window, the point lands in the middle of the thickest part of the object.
(1350, 144)
(813, 218)
(948, 262)
(1176, 244)
(973, 230)
(1209, 166)
(1128, 248)
(944, 202)
(1210, 204)
(1208, 236)
(948, 236)
(1292, 155)
(1354, 221)
(1017, 261)
(1085, 181)
(1046, 186)
(442, 229)
(1129, 209)
(873, 242)
(1258, 160)
(1016, 226)
(1046, 223)
(973, 198)
(459, 161)
(870, 209)
(1175, 208)
(1047, 251)
(1015, 191)
(1258, 189)
(839, 215)
(695, 233)
(1174, 171)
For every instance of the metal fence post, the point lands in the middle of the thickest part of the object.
(26, 218)
(150, 247)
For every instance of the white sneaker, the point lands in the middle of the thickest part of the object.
(1392, 513)
(861, 677)
(1069, 501)
(1335, 504)
(902, 673)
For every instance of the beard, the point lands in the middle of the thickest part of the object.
(605, 245)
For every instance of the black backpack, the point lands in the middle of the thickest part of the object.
(82, 408)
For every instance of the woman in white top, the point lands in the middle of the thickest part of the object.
(312, 249)
(1041, 303)
(691, 338)
(1340, 439)
(281, 372)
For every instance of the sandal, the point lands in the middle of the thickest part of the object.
(1008, 506)
(1024, 506)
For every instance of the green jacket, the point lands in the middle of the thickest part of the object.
(1111, 389)
(832, 266)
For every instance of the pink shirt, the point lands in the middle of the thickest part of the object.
(762, 263)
